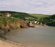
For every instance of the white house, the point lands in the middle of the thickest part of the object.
(7, 14)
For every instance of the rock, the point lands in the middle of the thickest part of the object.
(12, 26)
(18, 25)
(7, 26)
(3, 27)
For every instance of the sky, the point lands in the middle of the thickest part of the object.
(29, 6)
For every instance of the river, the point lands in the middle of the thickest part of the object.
(39, 36)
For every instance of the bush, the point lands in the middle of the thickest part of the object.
(51, 24)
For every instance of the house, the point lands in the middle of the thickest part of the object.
(27, 20)
(35, 22)
(7, 14)
(31, 24)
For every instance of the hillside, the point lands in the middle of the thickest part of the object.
(22, 15)
(13, 22)
(39, 16)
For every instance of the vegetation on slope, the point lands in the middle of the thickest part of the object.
(49, 20)
(39, 16)
(45, 19)
(20, 15)
(13, 22)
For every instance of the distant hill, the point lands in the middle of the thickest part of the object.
(22, 15)
(39, 16)
(45, 19)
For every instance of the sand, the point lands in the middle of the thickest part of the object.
(7, 44)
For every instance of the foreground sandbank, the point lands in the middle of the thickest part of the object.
(7, 44)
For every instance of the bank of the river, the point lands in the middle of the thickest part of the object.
(7, 44)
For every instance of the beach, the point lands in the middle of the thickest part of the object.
(7, 44)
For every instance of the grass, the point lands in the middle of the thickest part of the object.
(22, 15)
(5, 20)
(39, 16)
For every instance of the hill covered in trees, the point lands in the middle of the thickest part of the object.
(22, 15)
(49, 20)
(45, 19)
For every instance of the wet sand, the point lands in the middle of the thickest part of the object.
(7, 44)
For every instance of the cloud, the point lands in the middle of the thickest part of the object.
(29, 6)
(48, 10)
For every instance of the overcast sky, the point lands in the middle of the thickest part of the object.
(29, 6)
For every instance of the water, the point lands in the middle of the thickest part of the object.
(39, 36)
